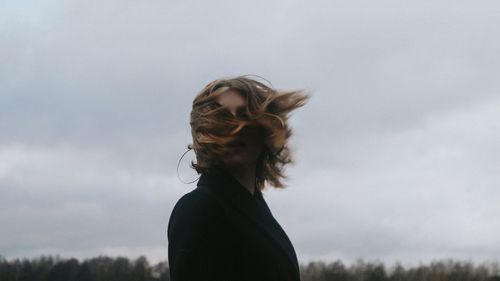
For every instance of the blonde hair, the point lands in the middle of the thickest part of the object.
(213, 126)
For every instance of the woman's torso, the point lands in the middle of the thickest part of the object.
(243, 240)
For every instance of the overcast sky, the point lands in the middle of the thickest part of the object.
(397, 152)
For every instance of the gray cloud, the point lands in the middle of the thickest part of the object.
(397, 151)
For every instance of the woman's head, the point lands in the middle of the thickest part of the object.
(249, 141)
(241, 121)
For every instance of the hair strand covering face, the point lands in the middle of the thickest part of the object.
(213, 126)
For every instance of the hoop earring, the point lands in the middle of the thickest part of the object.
(178, 163)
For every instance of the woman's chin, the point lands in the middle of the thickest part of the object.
(237, 159)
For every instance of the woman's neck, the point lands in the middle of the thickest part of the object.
(245, 175)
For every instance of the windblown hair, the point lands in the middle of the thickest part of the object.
(214, 126)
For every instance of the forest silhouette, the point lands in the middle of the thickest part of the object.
(103, 268)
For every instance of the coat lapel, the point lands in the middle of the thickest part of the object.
(227, 187)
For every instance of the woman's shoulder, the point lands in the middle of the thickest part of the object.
(196, 208)
(198, 200)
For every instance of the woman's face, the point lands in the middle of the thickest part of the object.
(249, 142)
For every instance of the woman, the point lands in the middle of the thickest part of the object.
(223, 230)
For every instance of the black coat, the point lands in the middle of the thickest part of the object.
(221, 232)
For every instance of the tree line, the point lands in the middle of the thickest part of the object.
(103, 268)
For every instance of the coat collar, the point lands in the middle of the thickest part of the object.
(253, 207)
